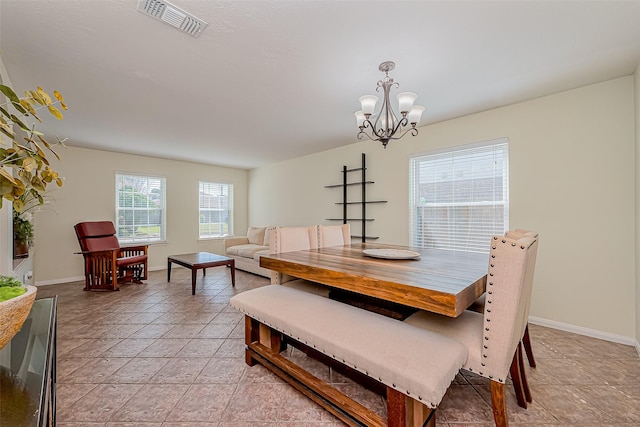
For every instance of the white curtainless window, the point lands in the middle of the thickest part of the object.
(216, 210)
(140, 208)
(459, 197)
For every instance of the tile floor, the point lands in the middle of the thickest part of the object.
(153, 355)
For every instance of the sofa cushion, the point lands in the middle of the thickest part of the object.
(245, 251)
(256, 235)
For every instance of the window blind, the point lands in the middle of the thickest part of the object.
(216, 210)
(459, 198)
(140, 208)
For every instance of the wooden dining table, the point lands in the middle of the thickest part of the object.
(441, 281)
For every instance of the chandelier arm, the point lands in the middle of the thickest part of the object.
(401, 123)
(413, 131)
(373, 128)
(362, 132)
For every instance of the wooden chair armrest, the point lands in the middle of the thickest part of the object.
(135, 248)
(108, 252)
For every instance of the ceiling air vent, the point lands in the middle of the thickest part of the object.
(172, 15)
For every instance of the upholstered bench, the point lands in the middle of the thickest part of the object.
(417, 366)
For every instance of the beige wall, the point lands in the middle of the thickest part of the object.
(88, 194)
(571, 179)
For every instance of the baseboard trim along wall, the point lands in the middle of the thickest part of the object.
(593, 333)
(77, 278)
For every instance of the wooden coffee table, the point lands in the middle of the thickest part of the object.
(201, 260)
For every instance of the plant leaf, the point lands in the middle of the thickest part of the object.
(28, 164)
(45, 96)
(37, 97)
(46, 144)
(18, 107)
(6, 129)
(18, 122)
(27, 105)
(9, 93)
(18, 205)
(55, 112)
(7, 175)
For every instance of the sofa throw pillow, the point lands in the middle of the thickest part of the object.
(256, 235)
(266, 236)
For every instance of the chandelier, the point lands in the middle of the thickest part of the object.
(384, 125)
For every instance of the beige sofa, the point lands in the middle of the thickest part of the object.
(246, 250)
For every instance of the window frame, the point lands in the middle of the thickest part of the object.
(449, 232)
(125, 240)
(229, 211)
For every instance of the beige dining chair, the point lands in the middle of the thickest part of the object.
(334, 235)
(520, 383)
(493, 338)
(479, 305)
(289, 239)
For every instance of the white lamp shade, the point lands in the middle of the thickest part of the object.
(368, 103)
(415, 114)
(406, 100)
(359, 117)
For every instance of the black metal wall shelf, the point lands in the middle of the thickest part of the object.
(362, 202)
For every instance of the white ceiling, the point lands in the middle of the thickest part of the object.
(270, 80)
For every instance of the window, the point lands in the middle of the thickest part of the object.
(140, 208)
(459, 198)
(216, 210)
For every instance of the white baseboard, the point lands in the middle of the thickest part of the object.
(59, 281)
(78, 278)
(620, 339)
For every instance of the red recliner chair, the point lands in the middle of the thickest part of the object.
(106, 264)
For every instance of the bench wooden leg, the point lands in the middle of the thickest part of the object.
(499, 404)
(396, 408)
(251, 335)
(403, 411)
